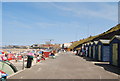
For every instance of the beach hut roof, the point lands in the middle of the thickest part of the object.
(116, 36)
(91, 42)
(85, 44)
(95, 42)
(88, 43)
(105, 41)
(78, 48)
(82, 41)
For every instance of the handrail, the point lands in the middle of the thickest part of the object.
(10, 64)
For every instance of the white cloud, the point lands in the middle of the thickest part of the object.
(107, 11)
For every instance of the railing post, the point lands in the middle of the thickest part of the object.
(23, 63)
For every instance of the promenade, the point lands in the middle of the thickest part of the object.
(66, 66)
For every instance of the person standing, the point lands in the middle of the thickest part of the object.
(53, 55)
(29, 61)
(16, 57)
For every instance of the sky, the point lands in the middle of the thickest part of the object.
(0, 24)
(26, 23)
(60, 0)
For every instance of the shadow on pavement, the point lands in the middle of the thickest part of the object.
(88, 59)
(109, 68)
(105, 65)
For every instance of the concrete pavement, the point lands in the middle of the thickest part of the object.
(65, 66)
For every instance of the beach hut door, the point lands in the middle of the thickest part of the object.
(99, 52)
(106, 53)
(90, 51)
(115, 54)
(93, 51)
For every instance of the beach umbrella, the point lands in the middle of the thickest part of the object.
(31, 54)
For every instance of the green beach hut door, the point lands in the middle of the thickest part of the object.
(99, 52)
(90, 51)
(93, 51)
(115, 54)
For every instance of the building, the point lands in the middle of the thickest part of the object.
(95, 51)
(115, 51)
(103, 50)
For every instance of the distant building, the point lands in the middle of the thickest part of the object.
(45, 46)
(65, 45)
(15, 46)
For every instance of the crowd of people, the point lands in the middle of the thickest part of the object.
(81, 52)
(27, 55)
(18, 56)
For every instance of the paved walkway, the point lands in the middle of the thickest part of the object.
(65, 66)
(19, 64)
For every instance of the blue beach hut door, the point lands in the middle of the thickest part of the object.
(115, 54)
(106, 53)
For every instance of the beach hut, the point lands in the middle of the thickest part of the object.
(90, 49)
(87, 49)
(78, 51)
(115, 50)
(84, 49)
(103, 50)
(95, 50)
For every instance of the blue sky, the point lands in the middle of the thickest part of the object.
(25, 23)
(0, 23)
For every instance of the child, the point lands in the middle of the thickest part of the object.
(38, 58)
(53, 55)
